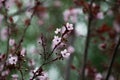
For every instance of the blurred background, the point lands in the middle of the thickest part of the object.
(52, 14)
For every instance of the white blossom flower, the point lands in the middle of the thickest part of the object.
(23, 51)
(11, 42)
(57, 31)
(56, 40)
(69, 26)
(12, 59)
(65, 53)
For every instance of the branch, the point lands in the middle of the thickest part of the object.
(87, 42)
(45, 63)
(8, 30)
(23, 35)
(113, 59)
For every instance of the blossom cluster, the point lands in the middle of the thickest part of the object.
(58, 40)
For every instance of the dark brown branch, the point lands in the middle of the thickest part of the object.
(87, 42)
(112, 60)
(45, 63)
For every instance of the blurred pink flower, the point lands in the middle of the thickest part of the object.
(11, 42)
(4, 73)
(9, 3)
(98, 76)
(57, 3)
(1, 67)
(70, 49)
(72, 14)
(15, 77)
(100, 15)
(4, 34)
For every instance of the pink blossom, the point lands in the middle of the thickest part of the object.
(57, 31)
(11, 42)
(65, 53)
(12, 59)
(70, 49)
(56, 40)
(69, 26)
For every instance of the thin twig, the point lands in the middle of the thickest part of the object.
(87, 42)
(23, 35)
(112, 60)
(8, 29)
(45, 63)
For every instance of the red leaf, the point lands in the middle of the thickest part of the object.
(27, 22)
(73, 67)
(11, 19)
(104, 28)
(112, 34)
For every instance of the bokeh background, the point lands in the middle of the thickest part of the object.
(52, 14)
